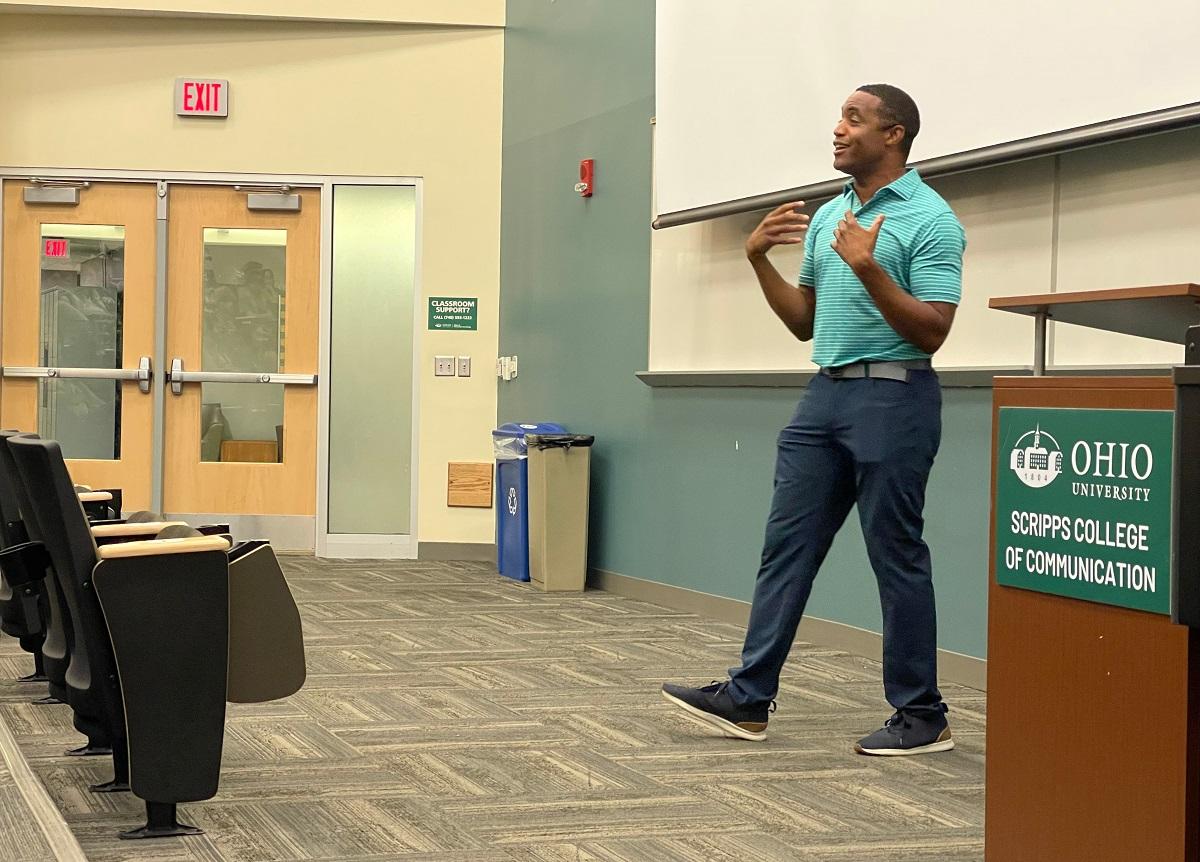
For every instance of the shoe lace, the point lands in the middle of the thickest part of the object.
(899, 721)
(722, 685)
(903, 720)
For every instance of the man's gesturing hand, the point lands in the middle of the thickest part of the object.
(855, 245)
(782, 226)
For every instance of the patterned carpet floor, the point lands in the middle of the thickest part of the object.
(454, 716)
(20, 837)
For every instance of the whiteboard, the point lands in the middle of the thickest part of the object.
(1122, 215)
(747, 93)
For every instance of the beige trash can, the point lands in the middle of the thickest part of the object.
(559, 474)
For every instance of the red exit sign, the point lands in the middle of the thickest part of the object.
(56, 247)
(201, 97)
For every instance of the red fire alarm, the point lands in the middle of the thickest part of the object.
(587, 172)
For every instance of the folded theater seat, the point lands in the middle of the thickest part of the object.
(103, 506)
(166, 631)
(29, 562)
(33, 611)
(25, 556)
(100, 503)
(23, 606)
(25, 611)
(138, 525)
(24, 559)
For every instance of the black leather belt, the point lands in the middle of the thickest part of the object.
(896, 369)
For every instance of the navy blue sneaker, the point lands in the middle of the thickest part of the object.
(713, 704)
(910, 732)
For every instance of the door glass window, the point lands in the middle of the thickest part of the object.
(241, 422)
(245, 329)
(245, 300)
(81, 300)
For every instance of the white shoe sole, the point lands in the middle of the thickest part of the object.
(943, 745)
(725, 726)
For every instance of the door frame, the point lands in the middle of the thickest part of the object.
(317, 538)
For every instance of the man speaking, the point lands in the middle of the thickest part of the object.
(880, 282)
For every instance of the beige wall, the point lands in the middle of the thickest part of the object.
(458, 12)
(84, 92)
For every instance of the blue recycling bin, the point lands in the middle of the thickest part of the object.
(512, 495)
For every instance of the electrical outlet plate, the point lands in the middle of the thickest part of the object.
(443, 366)
(464, 366)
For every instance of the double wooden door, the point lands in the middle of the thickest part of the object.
(204, 406)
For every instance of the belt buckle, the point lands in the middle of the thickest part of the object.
(835, 371)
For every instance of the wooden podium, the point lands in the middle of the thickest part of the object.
(1093, 730)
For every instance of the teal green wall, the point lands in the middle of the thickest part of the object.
(681, 479)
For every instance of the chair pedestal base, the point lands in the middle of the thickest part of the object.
(39, 665)
(161, 822)
(39, 669)
(120, 781)
(113, 786)
(89, 750)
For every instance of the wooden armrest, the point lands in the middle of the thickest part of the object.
(95, 497)
(154, 548)
(142, 528)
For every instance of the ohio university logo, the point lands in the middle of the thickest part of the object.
(1036, 459)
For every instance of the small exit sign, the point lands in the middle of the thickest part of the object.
(201, 97)
(52, 247)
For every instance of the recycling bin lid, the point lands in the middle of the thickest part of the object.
(521, 429)
(558, 441)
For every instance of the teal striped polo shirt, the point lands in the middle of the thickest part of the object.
(920, 246)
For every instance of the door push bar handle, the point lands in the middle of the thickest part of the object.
(178, 377)
(142, 374)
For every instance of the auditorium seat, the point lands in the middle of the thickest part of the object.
(58, 642)
(89, 682)
(23, 609)
(37, 614)
(167, 630)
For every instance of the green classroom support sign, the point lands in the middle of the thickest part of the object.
(453, 312)
(1083, 504)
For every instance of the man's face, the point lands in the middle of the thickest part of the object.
(861, 137)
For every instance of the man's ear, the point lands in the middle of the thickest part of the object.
(895, 135)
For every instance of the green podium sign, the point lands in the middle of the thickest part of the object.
(1083, 504)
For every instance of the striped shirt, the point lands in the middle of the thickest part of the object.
(920, 246)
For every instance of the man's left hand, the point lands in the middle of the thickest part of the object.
(853, 243)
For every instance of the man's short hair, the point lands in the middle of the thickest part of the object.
(896, 108)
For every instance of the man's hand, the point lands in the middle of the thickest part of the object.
(784, 225)
(853, 244)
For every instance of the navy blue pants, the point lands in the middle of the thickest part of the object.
(867, 441)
